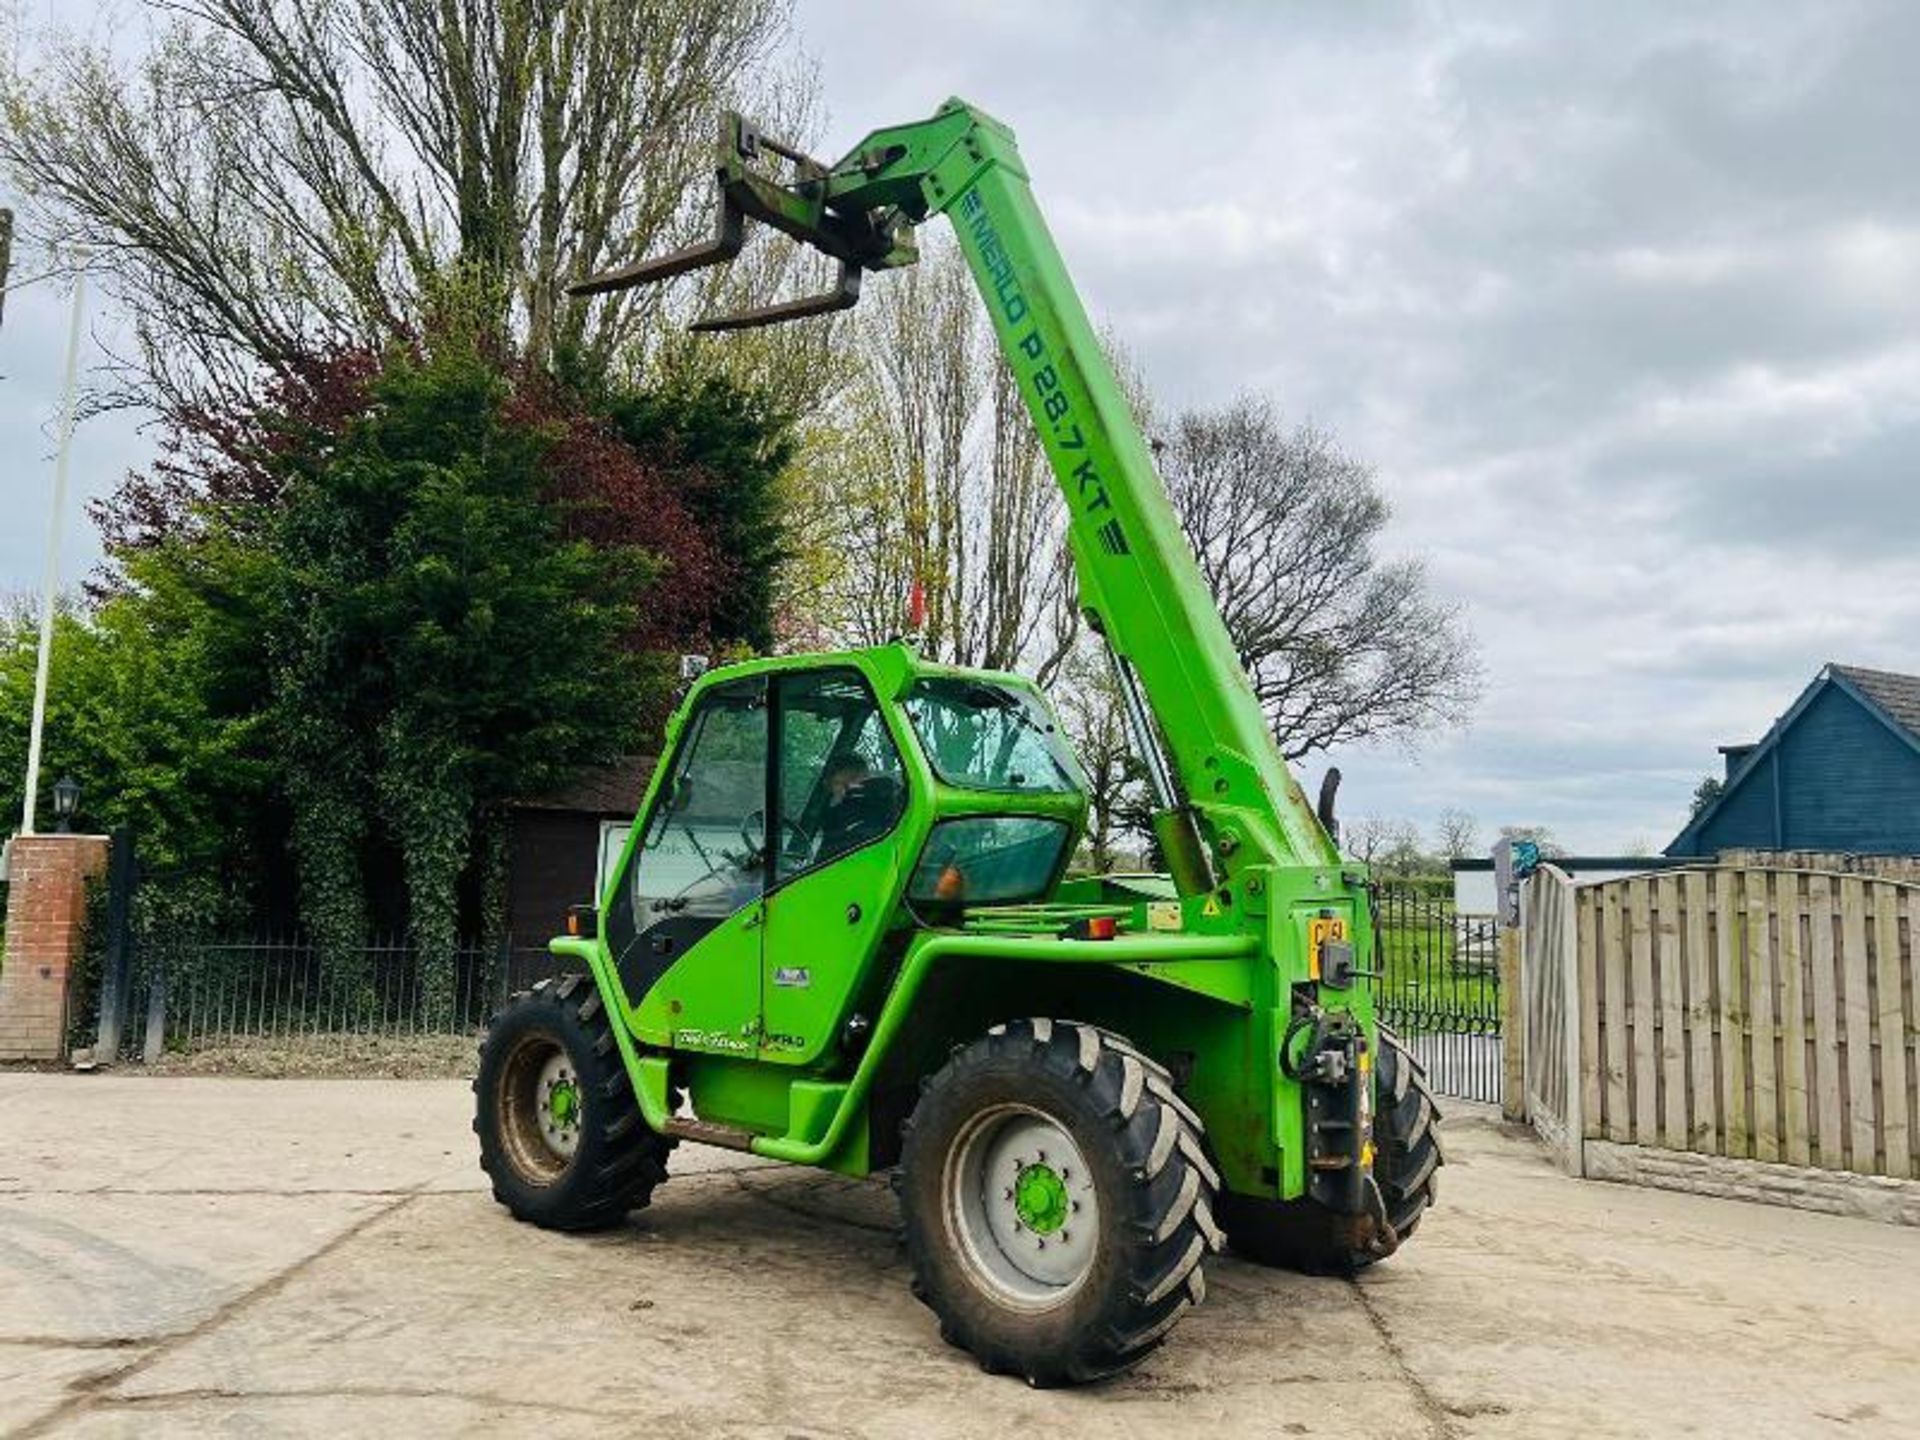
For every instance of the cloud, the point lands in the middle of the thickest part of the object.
(1620, 300)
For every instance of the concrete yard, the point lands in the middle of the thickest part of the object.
(218, 1256)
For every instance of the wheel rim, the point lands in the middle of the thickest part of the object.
(541, 1106)
(1021, 1208)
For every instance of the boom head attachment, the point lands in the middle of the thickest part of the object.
(825, 207)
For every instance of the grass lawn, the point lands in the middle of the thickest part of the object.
(1427, 984)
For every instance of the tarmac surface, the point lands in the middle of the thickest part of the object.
(288, 1257)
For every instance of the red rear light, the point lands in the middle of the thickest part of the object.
(1094, 927)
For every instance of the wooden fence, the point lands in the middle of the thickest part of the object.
(1761, 1014)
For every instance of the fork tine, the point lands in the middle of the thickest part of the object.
(730, 234)
(842, 297)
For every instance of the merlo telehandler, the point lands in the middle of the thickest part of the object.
(843, 932)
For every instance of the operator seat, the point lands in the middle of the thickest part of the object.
(866, 812)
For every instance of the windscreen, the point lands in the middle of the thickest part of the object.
(981, 736)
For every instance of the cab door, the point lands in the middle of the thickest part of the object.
(839, 794)
(683, 925)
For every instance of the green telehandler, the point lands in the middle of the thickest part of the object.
(842, 932)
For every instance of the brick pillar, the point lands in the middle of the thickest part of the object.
(46, 925)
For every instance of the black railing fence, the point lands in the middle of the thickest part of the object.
(1437, 984)
(1436, 981)
(183, 995)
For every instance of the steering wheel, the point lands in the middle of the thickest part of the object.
(793, 840)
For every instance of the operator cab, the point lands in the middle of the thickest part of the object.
(935, 787)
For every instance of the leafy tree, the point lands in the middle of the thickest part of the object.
(439, 643)
(1705, 793)
(150, 708)
(1391, 846)
(737, 445)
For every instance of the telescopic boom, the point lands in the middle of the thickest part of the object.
(1226, 800)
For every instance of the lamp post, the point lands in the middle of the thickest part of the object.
(50, 595)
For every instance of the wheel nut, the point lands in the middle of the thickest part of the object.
(1066, 1237)
(1038, 1243)
(1007, 1194)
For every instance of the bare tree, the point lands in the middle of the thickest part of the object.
(1087, 697)
(937, 477)
(1378, 840)
(1539, 835)
(1341, 644)
(273, 176)
(1457, 834)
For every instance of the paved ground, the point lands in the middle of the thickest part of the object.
(199, 1256)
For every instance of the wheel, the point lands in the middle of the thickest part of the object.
(1058, 1201)
(1301, 1235)
(561, 1135)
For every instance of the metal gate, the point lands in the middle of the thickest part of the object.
(1437, 985)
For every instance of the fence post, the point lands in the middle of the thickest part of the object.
(1571, 1010)
(1513, 1024)
(156, 1038)
(113, 983)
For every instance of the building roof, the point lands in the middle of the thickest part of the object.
(1887, 695)
(614, 789)
(1898, 695)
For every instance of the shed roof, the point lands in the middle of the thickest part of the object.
(613, 789)
(1898, 695)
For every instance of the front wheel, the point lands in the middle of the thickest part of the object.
(1058, 1202)
(1302, 1235)
(561, 1134)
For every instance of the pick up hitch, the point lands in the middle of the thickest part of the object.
(1335, 1068)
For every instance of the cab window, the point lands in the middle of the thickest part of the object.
(841, 780)
(702, 854)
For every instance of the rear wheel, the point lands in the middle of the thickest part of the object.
(1058, 1202)
(561, 1134)
(1301, 1235)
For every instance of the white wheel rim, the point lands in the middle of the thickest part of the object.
(1021, 1208)
(558, 1103)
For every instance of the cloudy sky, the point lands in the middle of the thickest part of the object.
(1620, 300)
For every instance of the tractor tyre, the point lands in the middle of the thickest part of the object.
(1058, 1201)
(1302, 1235)
(561, 1134)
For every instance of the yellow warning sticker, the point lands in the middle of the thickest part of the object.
(1212, 907)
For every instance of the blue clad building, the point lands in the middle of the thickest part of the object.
(1840, 771)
